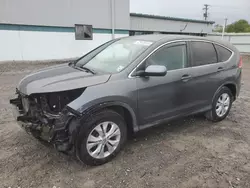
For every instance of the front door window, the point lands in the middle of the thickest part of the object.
(173, 57)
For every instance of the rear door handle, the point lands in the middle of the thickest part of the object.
(186, 77)
(220, 69)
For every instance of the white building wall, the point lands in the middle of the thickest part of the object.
(65, 13)
(42, 45)
(240, 40)
(44, 29)
(152, 24)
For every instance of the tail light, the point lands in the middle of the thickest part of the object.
(240, 63)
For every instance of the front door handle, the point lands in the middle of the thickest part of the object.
(186, 77)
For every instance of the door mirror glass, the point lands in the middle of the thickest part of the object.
(155, 70)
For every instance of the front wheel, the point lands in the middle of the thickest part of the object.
(101, 138)
(221, 105)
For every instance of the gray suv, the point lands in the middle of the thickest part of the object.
(88, 107)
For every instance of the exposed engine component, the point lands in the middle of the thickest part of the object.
(55, 102)
(45, 115)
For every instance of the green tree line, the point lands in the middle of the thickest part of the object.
(240, 26)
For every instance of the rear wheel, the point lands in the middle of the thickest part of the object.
(101, 138)
(221, 105)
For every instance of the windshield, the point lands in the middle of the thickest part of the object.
(113, 57)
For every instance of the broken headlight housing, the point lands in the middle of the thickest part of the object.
(55, 102)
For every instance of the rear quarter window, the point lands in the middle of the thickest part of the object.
(203, 53)
(223, 53)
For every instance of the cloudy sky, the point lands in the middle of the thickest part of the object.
(218, 10)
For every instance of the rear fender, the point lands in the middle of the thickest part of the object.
(219, 88)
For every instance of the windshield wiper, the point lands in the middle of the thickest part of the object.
(81, 68)
(88, 70)
(72, 63)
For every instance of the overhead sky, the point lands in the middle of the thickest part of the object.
(218, 9)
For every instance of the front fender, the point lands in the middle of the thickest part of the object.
(107, 104)
(86, 111)
(119, 93)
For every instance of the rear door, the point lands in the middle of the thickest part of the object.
(207, 72)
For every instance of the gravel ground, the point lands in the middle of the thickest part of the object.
(191, 152)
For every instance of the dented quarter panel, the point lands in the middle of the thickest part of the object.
(59, 78)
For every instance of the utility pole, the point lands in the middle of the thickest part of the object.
(113, 18)
(224, 27)
(205, 15)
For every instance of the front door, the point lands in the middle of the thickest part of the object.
(165, 96)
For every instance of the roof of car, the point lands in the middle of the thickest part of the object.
(165, 38)
(157, 37)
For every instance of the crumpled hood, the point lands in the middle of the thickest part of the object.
(59, 78)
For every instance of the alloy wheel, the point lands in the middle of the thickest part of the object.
(103, 140)
(222, 104)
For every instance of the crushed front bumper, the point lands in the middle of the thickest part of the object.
(50, 128)
(19, 116)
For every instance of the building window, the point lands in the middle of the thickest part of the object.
(132, 33)
(83, 32)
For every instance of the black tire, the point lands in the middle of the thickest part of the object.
(212, 115)
(86, 128)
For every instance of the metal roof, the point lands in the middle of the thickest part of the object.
(170, 18)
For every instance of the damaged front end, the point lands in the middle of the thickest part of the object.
(47, 117)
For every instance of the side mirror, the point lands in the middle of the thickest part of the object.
(154, 70)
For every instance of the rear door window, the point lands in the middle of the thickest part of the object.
(223, 53)
(203, 53)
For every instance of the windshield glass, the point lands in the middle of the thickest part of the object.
(113, 57)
